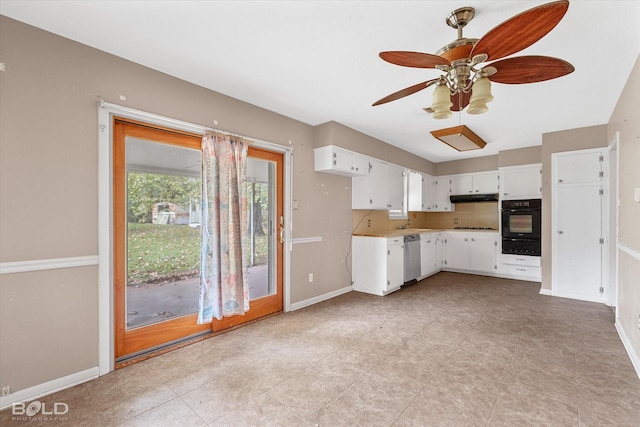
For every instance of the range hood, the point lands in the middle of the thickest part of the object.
(473, 198)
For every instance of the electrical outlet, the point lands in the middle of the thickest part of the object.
(6, 390)
(455, 221)
(369, 223)
(310, 277)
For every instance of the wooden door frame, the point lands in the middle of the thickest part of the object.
(106, 111)
(267, 305)
(128, 342)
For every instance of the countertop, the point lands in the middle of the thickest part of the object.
(406, 231)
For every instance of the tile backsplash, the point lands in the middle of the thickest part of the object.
(481, 214)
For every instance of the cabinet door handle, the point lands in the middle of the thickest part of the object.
(560, 232)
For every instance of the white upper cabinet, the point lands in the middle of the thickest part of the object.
(461, 184)
(521, 182)
(414, 189)
(486, 182)
(338, 161)
(439, 194)
(396, 187)
(419, 192)
(382, 189)
(475, 183)
(581, 168)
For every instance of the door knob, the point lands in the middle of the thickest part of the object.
(560, 232)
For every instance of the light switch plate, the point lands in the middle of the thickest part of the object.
(636, 194)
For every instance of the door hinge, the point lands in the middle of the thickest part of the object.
(495, 267)
(601, 158)
(601, 191)
(601, 174)
(388, 282)
(601, 240)
(445, 263)
(495, 243)
(601, 290)
(388, 252)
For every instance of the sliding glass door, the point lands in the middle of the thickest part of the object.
(156, 238)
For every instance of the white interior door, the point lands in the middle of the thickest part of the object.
(577, 266)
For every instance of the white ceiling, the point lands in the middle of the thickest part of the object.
(317, 61)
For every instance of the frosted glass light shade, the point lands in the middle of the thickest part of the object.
(441, 102)
(480, 95)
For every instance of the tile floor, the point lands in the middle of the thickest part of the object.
(452, 350)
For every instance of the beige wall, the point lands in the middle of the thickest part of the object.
(556, 142)
(626, 120)
(477, 164)
(520, 156)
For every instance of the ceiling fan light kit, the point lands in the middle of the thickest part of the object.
(441, 102)
(467, 82)
(459, 137)
(480, 95)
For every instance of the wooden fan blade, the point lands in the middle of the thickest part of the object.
(460, 101)
(413, 59)
(405, 92)
(529, 69)
(521, 31)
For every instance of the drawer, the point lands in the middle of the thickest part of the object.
(521, 271)
(533, 261)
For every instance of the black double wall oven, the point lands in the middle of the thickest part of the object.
(521, 227)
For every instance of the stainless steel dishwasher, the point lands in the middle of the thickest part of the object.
(411, 257)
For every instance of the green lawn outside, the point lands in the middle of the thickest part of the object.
(160, 253)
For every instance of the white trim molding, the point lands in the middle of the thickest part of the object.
(49, 387)
(47, 264)
(300, 240)
(320, 298)
(629, 251)
(635, 359)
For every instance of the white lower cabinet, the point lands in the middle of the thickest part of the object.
(378, 264)
(482, 252)
(456, 251)
(521, 267)
(474, 252)
(428, 254)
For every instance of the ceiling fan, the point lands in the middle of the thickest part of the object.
(466, 83)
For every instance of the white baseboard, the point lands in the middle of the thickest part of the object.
(320, 298)
(635, 359)
(545, 291)
(600, 300)
(44, 389)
